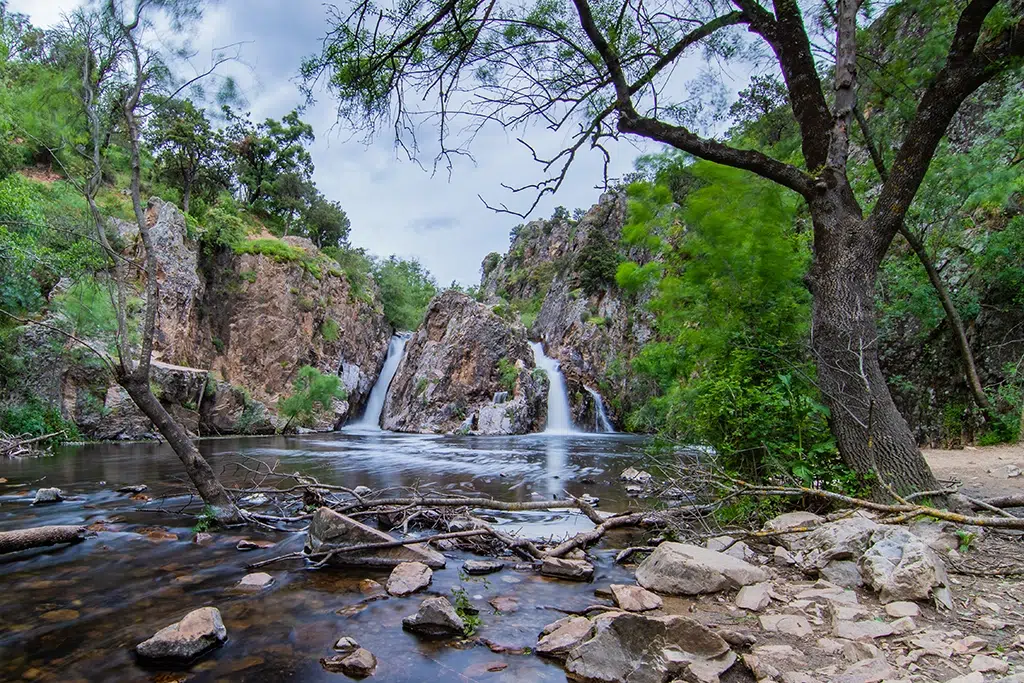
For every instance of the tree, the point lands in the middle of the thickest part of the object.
(603, 69)
(262, 153)
(188, 151)
(326, 223)
(117, 70)
(406, 288)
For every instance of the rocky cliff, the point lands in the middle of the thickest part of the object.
(559, 275)
(462, 358)
(233, 329)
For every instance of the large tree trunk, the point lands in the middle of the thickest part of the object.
(39, 537)
(198, 470)
(872, 436)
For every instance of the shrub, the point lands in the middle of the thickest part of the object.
(312, 391)
(35, 418)
(597, 263)
(507, 375)
(491, 262)
(330, 330)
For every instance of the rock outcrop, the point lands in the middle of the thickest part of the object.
(589, 326)
(455, 364)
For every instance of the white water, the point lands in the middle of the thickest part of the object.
(559, 415)
(375, 404)
(602, 423)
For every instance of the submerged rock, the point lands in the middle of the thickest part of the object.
(330, 529)
(409, 577)
(436, 618)
(683, 569)
(641, 649)
(199, 631)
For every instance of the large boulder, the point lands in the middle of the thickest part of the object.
(455, 366)
(683, 569)
(901, 566)
(330, 529)
(844, 539)
(640, 649)
(183, 641)
(436, 618)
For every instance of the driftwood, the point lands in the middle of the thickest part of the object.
(38, 537)
(15, 446)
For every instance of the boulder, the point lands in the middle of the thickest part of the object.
(792, 520)
(573, 570)
(460, 357)
(754, 597)
(183, 641)
(50, 495)
(683, 569)
(330, 529)
(634, 598)
(844, 539)
(900, 566)
(436, 618)
(359, 664)
(634, 476)
(409, 577)
(644, 649)
(845, 573)
(560, 637)
(255, 582)
(481, 567)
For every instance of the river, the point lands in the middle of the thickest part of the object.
(75, 613)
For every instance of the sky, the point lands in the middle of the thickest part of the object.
(395, 206)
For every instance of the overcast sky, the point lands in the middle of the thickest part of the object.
(395, 206)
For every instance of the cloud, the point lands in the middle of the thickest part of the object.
(396, 207)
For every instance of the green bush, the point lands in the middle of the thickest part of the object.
(34, 418)
(507, 375)
(406, 288)
(312, 391)
(330, 330)
(597, 263)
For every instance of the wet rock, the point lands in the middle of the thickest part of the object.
(371, 588)
(788, 624)
(359, 664)
(346, 645)
(683, 569)
(255, 500)
(51, 495)
(505, 603)
(643, 649)
(987, 664)
(573, 570)
(362, 490)
(635, 476)
(755, 597)
(254, 544)
(901, 567)
(481, 567)
(255, 582)
(408, 578)
(330, 529)
(559, 638)
(135, 488)
(634, 598)
(436, 618)
(202, 538)
(902, 608)
(199, 631)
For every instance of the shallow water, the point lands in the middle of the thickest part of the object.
(74, 613)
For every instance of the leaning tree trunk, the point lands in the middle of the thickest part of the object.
(872, 436)
(198, 470)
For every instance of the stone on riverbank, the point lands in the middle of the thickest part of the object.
(44, 496)
(408, 578)
(436, 618)
(559, 638)
(183, 641)
(644, 649)
(359, 664)
(634, 598)
(901, 567)
(330, 529)
(481, 567)
(683, 569)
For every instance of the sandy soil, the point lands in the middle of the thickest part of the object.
(982, 471)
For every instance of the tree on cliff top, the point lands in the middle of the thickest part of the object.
(601, 69)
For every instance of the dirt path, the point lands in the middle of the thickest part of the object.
(981, 470)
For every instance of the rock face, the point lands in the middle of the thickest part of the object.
(639, 649)
(456, 362)
(590, 331)
(331, 529)
(683, 569)
(233, 328)
(185, 640)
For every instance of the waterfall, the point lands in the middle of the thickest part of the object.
(375, 404)
(601, 421)
(559, 414)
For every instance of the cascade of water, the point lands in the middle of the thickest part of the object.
(500, 397)
(601, 421)
(559, 414)
(375, 404)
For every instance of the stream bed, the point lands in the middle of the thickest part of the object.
(75, 613)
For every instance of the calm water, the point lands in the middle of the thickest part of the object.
(74, 614)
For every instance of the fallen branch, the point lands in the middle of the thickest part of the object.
(39, 537)
(481, 503)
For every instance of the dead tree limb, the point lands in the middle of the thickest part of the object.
(39, 537)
